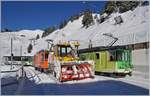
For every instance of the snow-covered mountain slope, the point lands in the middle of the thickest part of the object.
(20, 38)
(134, 29)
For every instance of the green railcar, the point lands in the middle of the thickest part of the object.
(116, 59)
(27, 60)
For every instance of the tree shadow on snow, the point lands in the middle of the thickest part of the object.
(107, 87)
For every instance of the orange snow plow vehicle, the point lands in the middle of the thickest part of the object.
(63, 62)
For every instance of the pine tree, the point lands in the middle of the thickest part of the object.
(37, 37)
(87, 19)
(6, 30)
(75, 17)
(47, 31)
(110, 7)
(29, 48)
(63, 24)
(123, 6)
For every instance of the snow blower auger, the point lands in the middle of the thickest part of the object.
(65, 64)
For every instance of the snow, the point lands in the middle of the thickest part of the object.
(10, 71)
(134, 29)
(43, 84)
(41, 78)
(20, 38)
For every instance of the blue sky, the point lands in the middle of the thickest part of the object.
(18, 15)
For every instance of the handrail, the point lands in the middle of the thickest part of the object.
(23, 74)
(11, 70)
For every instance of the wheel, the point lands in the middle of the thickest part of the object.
(42, 70)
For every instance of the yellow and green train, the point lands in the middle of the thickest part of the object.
(116, 59)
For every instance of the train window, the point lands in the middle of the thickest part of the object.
(42, 57)
(97, 55)
(125, 56)
(46, 55)
(16, 58)
(112, 55)
(9, 58)
(63, 50)
(25, 59)
(57, 50)
(120, 55)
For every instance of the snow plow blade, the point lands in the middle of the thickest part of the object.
(77, 70)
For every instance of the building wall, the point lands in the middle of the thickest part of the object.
(140, 61)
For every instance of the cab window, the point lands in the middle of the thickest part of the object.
(97, 56)
(42, 57)
(46, 55)
(112, 56)
(63, 51)
(121, 55)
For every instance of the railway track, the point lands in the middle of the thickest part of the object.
(32, 74)
(42, 77)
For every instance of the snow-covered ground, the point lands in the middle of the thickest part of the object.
(40, 78)
(38, 83)
(5, 68)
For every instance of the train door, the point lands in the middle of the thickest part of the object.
(44, 60)
(97, 60)
(129, 55)
(121, 58)
(111, 60)
(41, 59)
(103, 61)
(127, 58)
